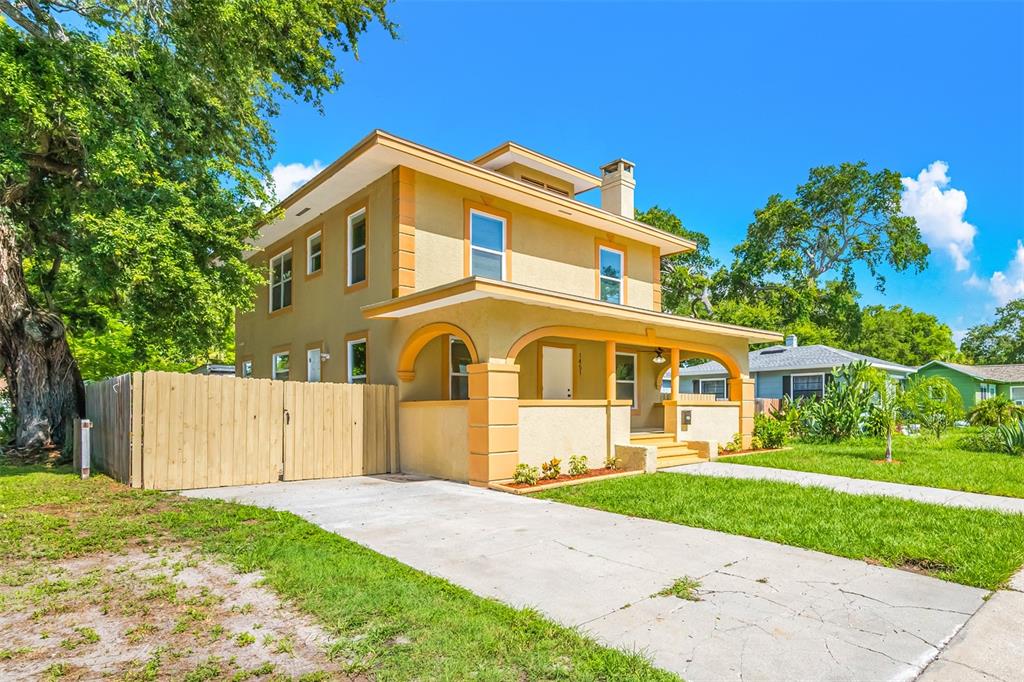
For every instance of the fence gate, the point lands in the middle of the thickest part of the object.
(171, 431)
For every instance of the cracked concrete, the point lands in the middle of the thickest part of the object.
(766, 611)
(855, 486)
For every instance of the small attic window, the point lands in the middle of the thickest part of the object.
(542, 185)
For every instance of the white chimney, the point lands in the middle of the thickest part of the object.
(791, 341)
(617, 186)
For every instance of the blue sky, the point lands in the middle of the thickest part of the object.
(721, 105)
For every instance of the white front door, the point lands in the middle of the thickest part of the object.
(556, 380)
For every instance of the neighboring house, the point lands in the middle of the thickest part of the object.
(518, 322)
(789, 370)
(214, 370)
(977, 382)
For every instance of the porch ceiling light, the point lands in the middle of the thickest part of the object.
(658, 359)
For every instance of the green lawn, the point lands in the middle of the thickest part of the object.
(394, 622)
(922, 460)
(973, 547)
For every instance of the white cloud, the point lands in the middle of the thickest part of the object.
(940, 213)
(974, 282)
(1008, 286)
(288, 177)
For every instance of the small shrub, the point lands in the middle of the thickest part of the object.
(578, 465)
(770, 431)
(526, 474)
(612, 462)
(551, 469)
(980, 440)
(995, 411)
(735, 444)
(1011, 437)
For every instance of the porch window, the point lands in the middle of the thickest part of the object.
(610, 274)
(357, 361)
(313, 364)
(486, 245)
(458, 369)
(279, 366)
(715, 387)
(1017, 394)
(357, 247)
(246, 369)
(625, 377)
(808, 385)
(281, 281)
(314, 253)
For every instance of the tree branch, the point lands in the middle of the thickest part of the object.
(21, 20)
(47, 164)
(56, 30)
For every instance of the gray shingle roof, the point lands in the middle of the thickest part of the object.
(778, 358)
(1002, 373)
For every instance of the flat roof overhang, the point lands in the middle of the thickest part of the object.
(510, 152)
(476, 288)
(379, 152)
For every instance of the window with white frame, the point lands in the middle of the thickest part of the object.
(1017, 394)
(486, 245)
(314, 253)
(986, 391)
(610, 274)
(312, 364)
(357, 247)
(625, 377)
(808, 386)
(458, 369)
(715, 387)
(279, 366)
(246, 369)
(281, 281)
(357, 361)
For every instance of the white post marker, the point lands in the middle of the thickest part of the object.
(84, 460)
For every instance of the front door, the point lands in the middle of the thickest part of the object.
(556, 377)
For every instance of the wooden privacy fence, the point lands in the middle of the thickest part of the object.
(170, 431)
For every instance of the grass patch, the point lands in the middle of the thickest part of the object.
(973, 547)
(922, 460)
(391, 621)
(682, 588)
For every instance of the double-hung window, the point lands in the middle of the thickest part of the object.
(458, 372)
(356, 361)
(281, 281)
(808, 386)
(487, 235)
(314, 253)
(357, 248)
(715, 387)
(610, 267)
(1017, 394)
(625, 377)
(279, 366)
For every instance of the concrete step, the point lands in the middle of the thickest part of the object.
(678, 460)
(675, 449)
(652, 438)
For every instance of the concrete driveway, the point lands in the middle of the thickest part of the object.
(767, 612)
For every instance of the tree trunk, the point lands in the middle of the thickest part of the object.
(888, 446)
(42, 377)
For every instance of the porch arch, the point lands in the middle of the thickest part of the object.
(622, 337)
(424, 335)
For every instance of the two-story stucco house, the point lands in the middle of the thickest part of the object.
(518, 322)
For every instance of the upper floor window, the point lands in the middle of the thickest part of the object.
(357, 361)
(458, 373)
(314, 253)
(610, 268)
(279, 366)
(486, 245)
(357, 247)
(281, 281)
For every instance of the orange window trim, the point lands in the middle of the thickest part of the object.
(467, 207)
(618, 248)
(351, 210)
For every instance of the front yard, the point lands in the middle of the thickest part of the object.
(921, 460)
(973, 547)
(145, 585)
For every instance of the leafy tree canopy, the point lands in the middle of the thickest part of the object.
(899, 334)
(685, 276)
(998, 343)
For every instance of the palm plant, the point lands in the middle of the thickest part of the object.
(887, 412)
(995, 411)
(934, 402)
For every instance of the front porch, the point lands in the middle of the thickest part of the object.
(495, 374)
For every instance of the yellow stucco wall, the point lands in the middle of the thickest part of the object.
(564, 431)
(433, 439)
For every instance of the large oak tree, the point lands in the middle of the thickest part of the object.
(134, 145)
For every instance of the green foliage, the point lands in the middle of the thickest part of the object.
(771, 432)
(611, 461)
(887, 411)
(134, 151)
(551, 469)
(843, 411)
(935, 403)
(1011, 437)
(735, 444)
(684, 276)
(1002, 341)
(578, 465)
(525, 474)
(995, 411)
(899, 334)
(984, 439)
(682, 588)
(791, 414)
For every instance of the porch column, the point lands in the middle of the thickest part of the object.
(493, 422)
(609, 369)
(674, 359)
(741, 390)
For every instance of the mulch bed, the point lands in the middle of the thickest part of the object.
(591, 473)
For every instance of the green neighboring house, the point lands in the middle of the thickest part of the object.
(977, 382)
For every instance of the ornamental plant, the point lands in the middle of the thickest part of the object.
(551, 469)
(1011, 437)
(769, 431)
(578, 465)
(611, 462)
(525, 474)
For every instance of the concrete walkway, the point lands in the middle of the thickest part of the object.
(856, 486)
(767, 612)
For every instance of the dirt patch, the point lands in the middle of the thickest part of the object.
(143, 616)
(928, 567)
(882, 461)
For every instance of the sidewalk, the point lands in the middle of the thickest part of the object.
(856, 486)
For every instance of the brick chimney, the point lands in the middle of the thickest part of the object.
(617, 186)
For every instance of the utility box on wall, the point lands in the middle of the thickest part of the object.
(685, 419)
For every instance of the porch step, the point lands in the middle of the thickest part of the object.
(678, 460)
(658, 438)
(671, 452)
